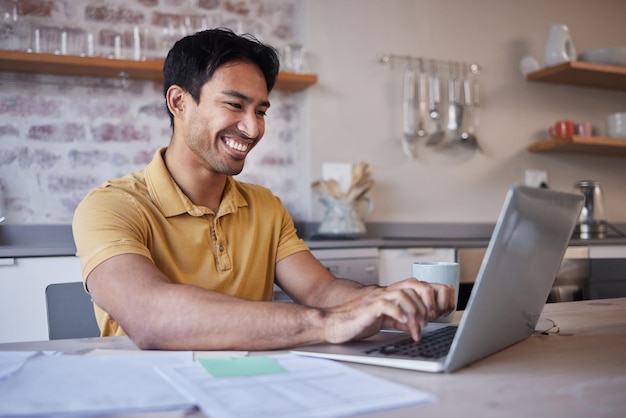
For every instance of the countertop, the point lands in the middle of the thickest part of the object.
(57, 240)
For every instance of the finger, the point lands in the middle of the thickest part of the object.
(391, 309)
(428, 294)
(438, 298)
(423, 291)
(415, 332)
(413, 309)
(409, 296)
(405, 324)
(452, 300)
(410, 302)
(446, 301)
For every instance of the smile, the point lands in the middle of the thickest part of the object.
(238, 146)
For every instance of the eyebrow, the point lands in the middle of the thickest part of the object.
(239, 95)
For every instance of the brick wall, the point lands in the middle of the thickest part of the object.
(62, 136)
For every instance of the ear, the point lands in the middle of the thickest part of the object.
(175, 99)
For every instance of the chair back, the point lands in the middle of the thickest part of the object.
(70, 312)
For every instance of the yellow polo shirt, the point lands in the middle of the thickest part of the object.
(234, 252)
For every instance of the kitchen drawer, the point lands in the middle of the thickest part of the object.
(607, 251)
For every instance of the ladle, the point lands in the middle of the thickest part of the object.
(409, 131)
(468, 134)
(435, 109)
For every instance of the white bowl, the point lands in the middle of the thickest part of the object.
(609, 56)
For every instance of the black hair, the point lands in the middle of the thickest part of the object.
(193, 60)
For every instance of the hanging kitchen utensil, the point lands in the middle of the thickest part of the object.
(475, 95)
(468, 135)
(455, 109)
(409, 130)
(434, 100)
(422, 94)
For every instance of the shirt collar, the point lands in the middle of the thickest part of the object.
(171, 199)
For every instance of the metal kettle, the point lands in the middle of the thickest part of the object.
(592, 219)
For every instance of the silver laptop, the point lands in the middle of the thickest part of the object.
(512, 286)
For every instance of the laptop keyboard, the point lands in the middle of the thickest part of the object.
(432, 346)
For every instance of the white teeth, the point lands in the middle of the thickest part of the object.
(236, 145)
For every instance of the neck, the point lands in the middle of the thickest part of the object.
(202, 186)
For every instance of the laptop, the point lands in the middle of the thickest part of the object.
(513, 283)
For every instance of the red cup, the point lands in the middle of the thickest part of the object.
(562, 129)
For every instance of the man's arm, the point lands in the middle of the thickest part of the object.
(348, 303)
(157, 314)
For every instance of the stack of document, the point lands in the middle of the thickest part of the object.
(54, 384)
(285, 385)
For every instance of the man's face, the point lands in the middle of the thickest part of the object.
(229, 119)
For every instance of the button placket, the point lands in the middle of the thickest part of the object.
(222, 256)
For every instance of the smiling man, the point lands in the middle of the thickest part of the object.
(180, 255)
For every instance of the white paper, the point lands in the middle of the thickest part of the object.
(12, 361)
(311, 388)
(83, 385)
(217, 354)
(157, 356)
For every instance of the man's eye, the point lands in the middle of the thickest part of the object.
(235, 105)
(261, 112)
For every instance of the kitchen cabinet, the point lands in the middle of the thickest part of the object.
(23, 283)
(586, 74)
(608, 278)
(70, 65)
(608, 271)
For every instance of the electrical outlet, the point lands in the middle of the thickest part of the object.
(536, 178)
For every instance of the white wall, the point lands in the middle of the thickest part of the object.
(356, 106)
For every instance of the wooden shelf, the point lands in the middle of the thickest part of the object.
(295, 82)
(583, 73)
(587, 74)
(588, 145)
(68, 65)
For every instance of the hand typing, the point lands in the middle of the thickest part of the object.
(405, 305)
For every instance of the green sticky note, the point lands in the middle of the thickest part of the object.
(241, 366)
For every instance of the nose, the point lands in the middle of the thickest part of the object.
(251, 124)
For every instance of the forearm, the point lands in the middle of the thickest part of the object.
(188, 318)
(307, 281)
(158, 314)
(337, 292)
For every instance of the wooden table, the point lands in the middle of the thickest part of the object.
(580, 372)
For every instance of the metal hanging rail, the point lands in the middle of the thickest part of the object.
(386, 58)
